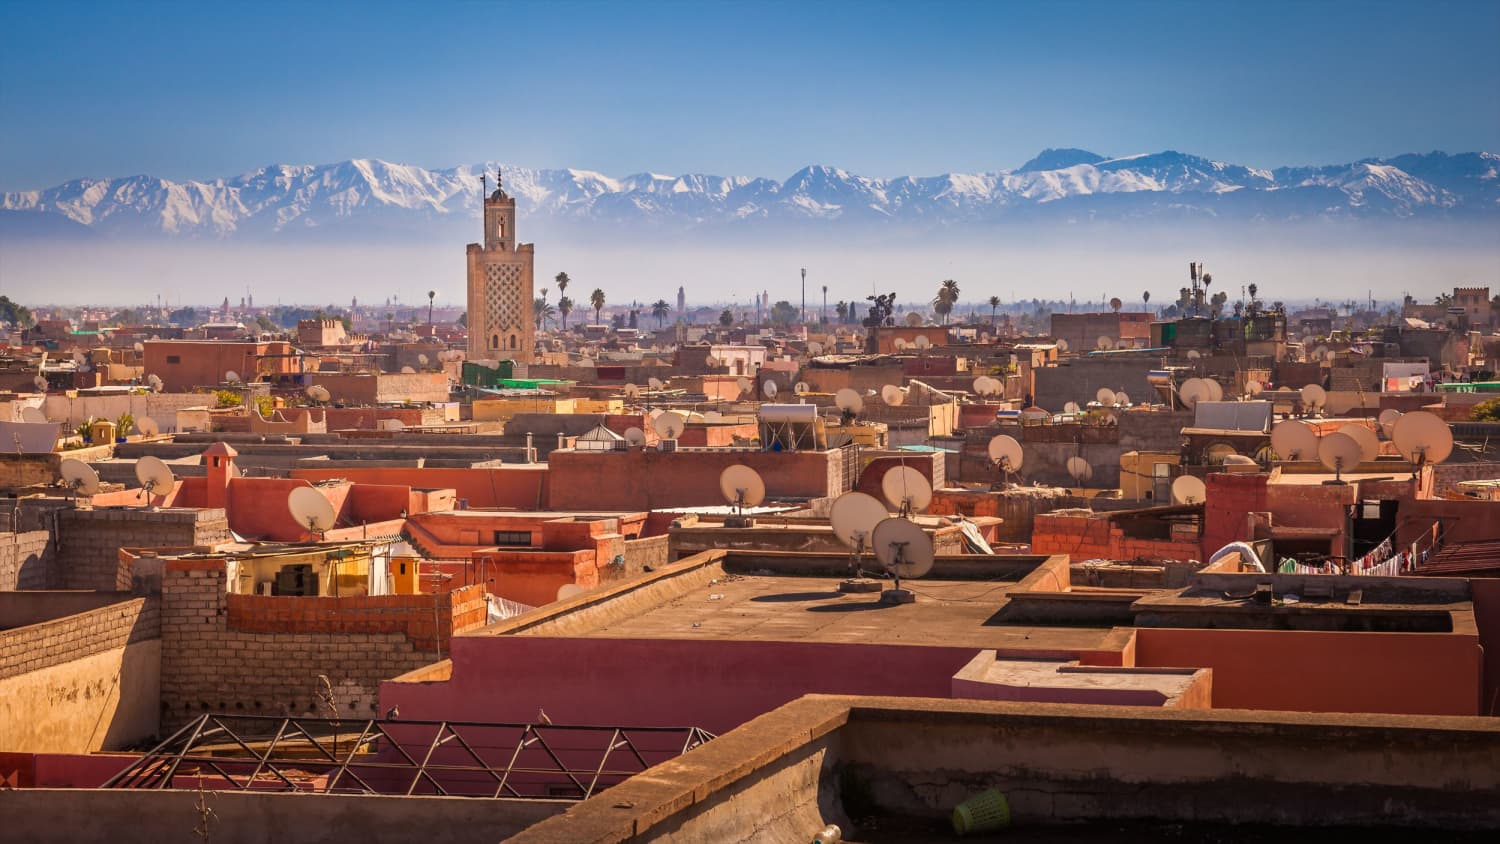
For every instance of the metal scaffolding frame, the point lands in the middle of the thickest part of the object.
(448, 758)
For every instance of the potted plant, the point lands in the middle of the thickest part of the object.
(123, 426)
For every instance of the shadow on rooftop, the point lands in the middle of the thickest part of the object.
(793, 597)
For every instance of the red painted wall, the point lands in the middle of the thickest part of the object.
(1226, 501)
(523, 487)
(1487, 618)
(1316, 671)
(640, 480)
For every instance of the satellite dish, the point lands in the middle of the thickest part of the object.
(655, 384)
(569, 590)
(310, 509)
(632, 391)
(768, 389)
(1218, 453)
(742, 486)
(317, 392)
(40, 383)
(1369, 444)
(1330, 355)
(148, 427)
(155, 476)
(800, 388)
(154, 382)
(1122, 399)
(1423, 437)
(892, 395)
(78, 358)
(1338, 453)
(1071, 407)
(139, 347)
(1388, 419)
(669, 425)
(1080, 469)
(1254, 387)
(1294, 440)
(423, 359)
(1194, 354)
(745, 385)
(903, 547)
(1104, 396)
(1006, 452)
(1035, 414)
(635, 436)
(906, 489)
(901, 343)
(1188, 490)
(79, 477)
(849, 400)
(922, 342)
(1238, 460)
(407, 370)
(1320, 352)
(1104, 343)
(1215, 389)
(1193, 391)
(231, 377)
(33, 415)
(1062, 345)
(854, 516)
(1313, 396)
(815, 348)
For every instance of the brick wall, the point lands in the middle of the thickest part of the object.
(1085, 538)
(49, 643)
(89, 541)
(26, 560)
(262, 655)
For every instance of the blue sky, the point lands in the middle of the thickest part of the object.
(208, 89)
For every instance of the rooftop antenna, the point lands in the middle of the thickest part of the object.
(155, 476)
(1292, 439)
(906, 489)
(742, 487)
(1422, 438)
(79, 478)
(853, 517)
(1005, 452)
(311, 510)
(1338, 452)
(1188, 490)
(905, 549)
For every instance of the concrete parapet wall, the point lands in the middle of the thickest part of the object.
(26, 560)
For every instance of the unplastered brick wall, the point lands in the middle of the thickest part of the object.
(37, 646)
(89, 541)
(25, 560)
(264, 655)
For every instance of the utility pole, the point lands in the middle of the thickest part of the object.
(804, 296)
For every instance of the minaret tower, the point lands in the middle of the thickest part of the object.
(501, 286)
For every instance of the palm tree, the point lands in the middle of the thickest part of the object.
(543, 311)
(1146, 298)
(544, 301)
(564, 307)
(431, 294)
(842, 309)
(947, 297)
(596, 299)
(562, 283)
(660, 309)
(726, 318)
(994, 306)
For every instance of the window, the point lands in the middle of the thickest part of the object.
(513, 538)
(512, 341)
(494, 341)
(174, 358)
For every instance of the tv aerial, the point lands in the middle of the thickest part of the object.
(79, 478)
(318, 393)
(1294, 440)
(1422, 438)
(905, 550)
(669, 425)
(1188, 490)
(906, 489)
(139, 347)
(148, 427)
(1338, 452)
(635, 436)
(901, 344)
(311, 510)
(768, 389)
(1194, 354)
(1369, 444)
(1313, 398)
(892, 395)
(742, 487)
(1080, 469)
(1215, 389)
(156, 478)
(1005, 452)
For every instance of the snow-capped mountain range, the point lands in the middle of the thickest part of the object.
(374, 198)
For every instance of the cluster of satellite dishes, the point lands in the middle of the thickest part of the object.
(901, 547)
(1107, 398)
(921, 343)
(986, 386)
(1419, 437)
(154, 475)
(1194, 390)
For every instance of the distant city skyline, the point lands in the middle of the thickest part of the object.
(200, 91)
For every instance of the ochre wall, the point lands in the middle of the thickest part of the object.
(638, 480)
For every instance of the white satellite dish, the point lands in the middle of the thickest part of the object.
(310, 509)
(1338, 453)
(1313, 397)
(655, 384)
(1104, 343)
(422, 359)
(906, 489)
(231, 377)
(1217, 453)
(40, 383)
(147, 426)
(1080, 469)
(1071, 407)
(905, 550)
(742, 486)
(922, 342)
(768, 389)
(139, 347)
(156, 477)
(745, 385)
(669, 425)
(569, 590)
(849, 401)
(1006, 452)
(1121, 399)
(854, 516)
(1194, 354)
(892, 395)
(34, 415)
(1369, 444)
(632, 391)
(79, 477)
(154, 382)
(1104, 396)
(815, 348)
(1188, 490)
(901, 343)
(1193, 391)
(318, 392)
(1388, 419)
(407, 370)
(1254, 387)
(800, 388)
(635, 436)
(1294, 440)
(1062, 345)
(1423, 437)
(1215, 389)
